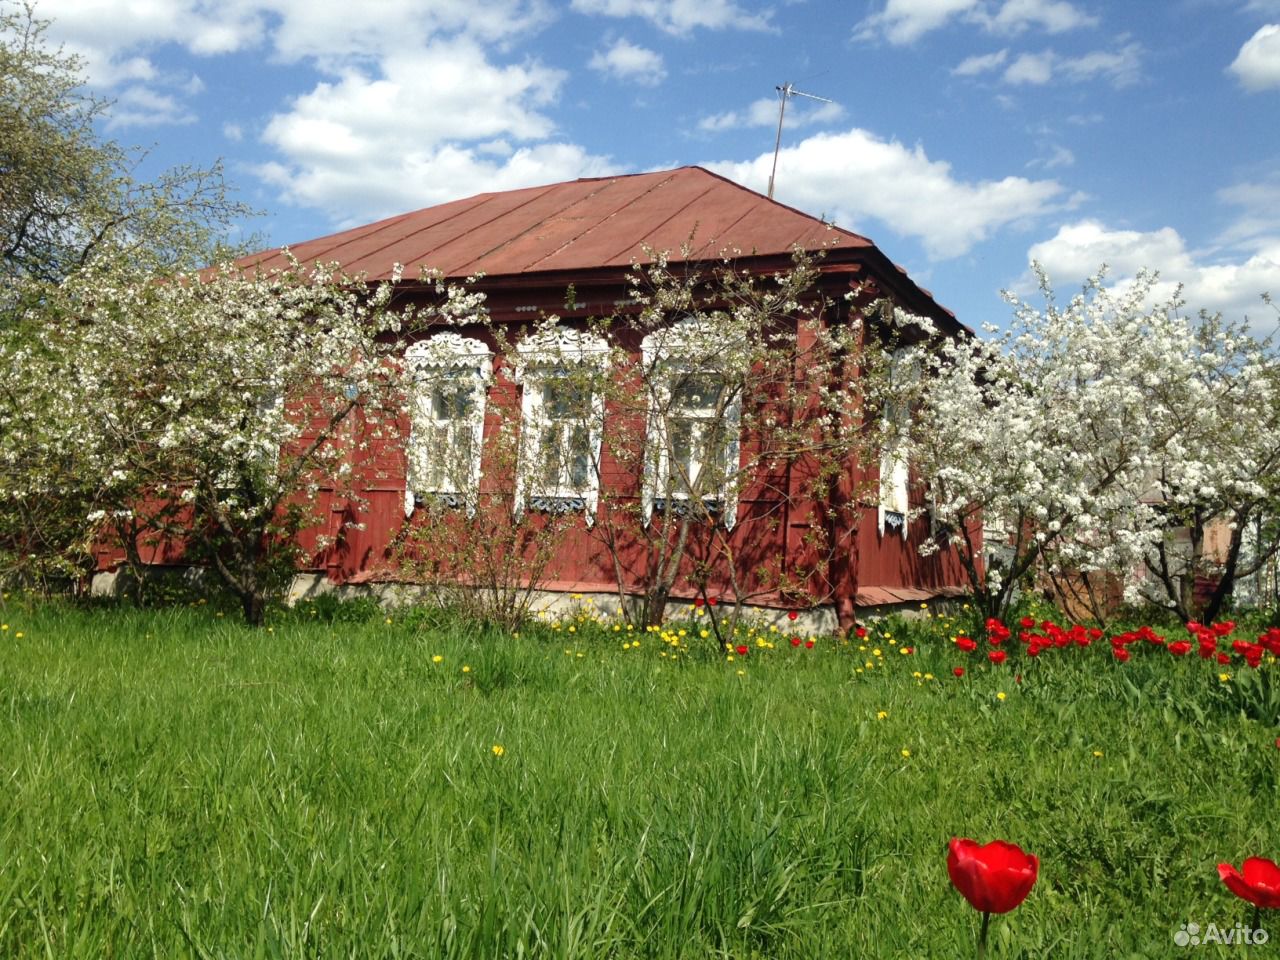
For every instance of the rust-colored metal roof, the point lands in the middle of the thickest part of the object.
(577, 225)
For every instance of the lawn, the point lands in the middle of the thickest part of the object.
(350, 785)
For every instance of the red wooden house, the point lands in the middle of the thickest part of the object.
(530, 246)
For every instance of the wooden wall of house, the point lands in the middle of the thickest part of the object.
(354, 542)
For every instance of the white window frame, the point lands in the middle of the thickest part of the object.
(665, 356)
(895, 470)
(458, 359)
(556, 353)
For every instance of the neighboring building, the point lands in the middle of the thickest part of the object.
(530, 247)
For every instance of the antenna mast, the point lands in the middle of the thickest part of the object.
(785, 93)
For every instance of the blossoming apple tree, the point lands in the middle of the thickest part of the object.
(1090, 437)
(207, 410)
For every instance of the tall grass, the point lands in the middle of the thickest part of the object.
(173, 784)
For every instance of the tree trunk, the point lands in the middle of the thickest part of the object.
(655, 606)
(254, 606)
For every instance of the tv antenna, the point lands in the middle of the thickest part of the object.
(785, 92)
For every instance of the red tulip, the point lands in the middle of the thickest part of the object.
(791, 615)
(959, 672)
(995, 877)
(795, 641)
(711, 601)
(965, 644)
(743, 649)
(1180, 649)
(1258, 881)
(808, 644)
(997, 656)
(1120, 653)
(697, 601)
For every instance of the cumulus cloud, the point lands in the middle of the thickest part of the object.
(1121, 67)
(628, 63)
(1230, 284)
(983, 63)
(143, 107)
(325, 31)
(679, 16)
(428, 125)
(1257, 65)
(764, 113)
(906, 21)
(855, 176)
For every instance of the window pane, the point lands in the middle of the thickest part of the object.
(698, 394)
(579, 457)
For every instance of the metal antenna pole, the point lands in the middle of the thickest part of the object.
(785, 93)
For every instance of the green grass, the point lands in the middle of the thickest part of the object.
(173, 784)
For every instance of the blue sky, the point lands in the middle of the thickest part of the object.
(966, 136)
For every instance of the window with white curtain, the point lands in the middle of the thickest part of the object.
(563, 418)
(694, 416)
(450, 375)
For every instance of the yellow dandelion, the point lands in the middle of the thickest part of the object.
(1097, 753)
(388, 620)
(742, 673)
(1224, 677)
(882, 714)
(466, 669)
(906, 753)
(439, 659)
(1001, 695)
(499, 749)
(876, 652)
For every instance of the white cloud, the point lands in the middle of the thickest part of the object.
(905, 21)
(1231, 285)
(856, 176)
(1058, 156)
(330, 32)
(431, 124)
(1121, 67)
(983, 63)
(1033, 68)
(1257, 65)
(764, 113)
(679, 16)
(1258, 222)
(371, 186)
(629, 63)
(233, 132)
(1052, 16)
(143, 107)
